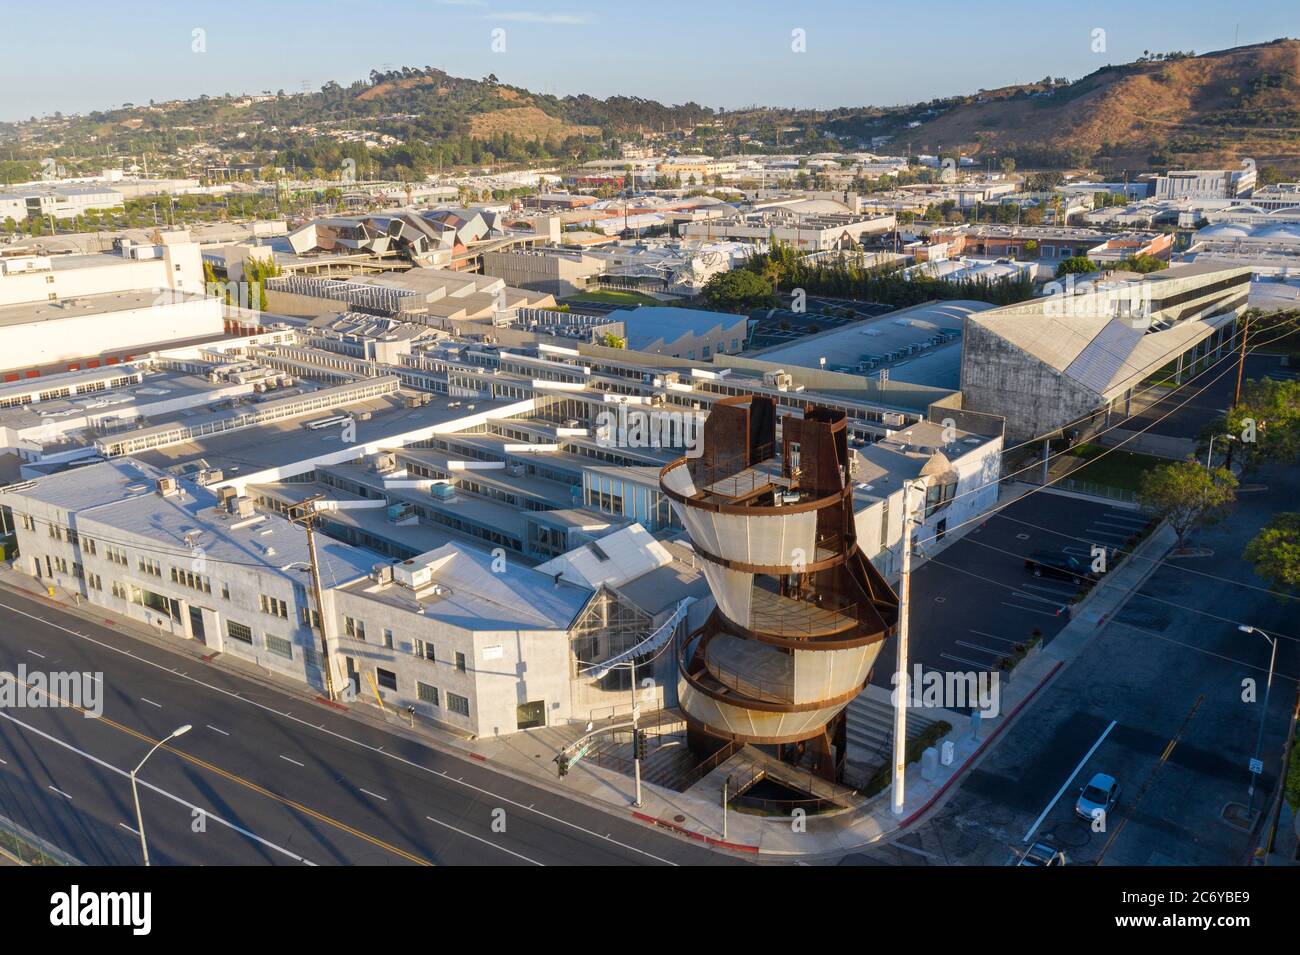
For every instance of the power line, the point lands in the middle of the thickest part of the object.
(1035, 490)
(1037, 464)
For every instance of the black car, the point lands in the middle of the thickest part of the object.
(1044, 563)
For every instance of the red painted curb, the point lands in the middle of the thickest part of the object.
(979, 749)
(699, 837)
(331, 703)
(479, 756)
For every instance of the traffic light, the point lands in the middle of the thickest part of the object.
(563, 761)
(640, 744)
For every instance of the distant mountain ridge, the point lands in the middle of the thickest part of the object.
(1165, 110)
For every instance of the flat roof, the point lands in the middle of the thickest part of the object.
(81, 306)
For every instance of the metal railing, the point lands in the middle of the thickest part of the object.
(1097, 490)
(30, 849)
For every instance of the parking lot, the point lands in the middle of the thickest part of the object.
(975, 601)
(1166, 697)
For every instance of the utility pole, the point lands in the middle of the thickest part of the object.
(308, 520)
(1241, 359)
(636, 735)
(902, 687)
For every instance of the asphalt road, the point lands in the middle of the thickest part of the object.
(263, 777)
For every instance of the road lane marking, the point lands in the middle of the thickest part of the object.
(978, 666)
(453, 753)
(288, 760)
(1066, 785)
(486, 842)
(376, 795)
(134, 832)
(283, 800)
(59, 791)
(215, 730)
(151, 702)
(148, 785)
(35, 654)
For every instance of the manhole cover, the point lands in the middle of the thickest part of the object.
(679, 818)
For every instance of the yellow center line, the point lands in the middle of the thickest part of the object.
(248, 784)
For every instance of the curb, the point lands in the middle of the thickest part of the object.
(1011, 718)
(698, 836)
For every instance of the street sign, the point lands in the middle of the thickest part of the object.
(578, 753)
(636, 712)
(1256, 766)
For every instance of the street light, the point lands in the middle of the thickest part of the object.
(1259, 739)
(135, 793)
(1210, 453)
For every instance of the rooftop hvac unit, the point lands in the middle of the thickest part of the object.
(443, 491)
(382, 573)
(243, 506)
(892, 419)
(167, 486)
(225, 495)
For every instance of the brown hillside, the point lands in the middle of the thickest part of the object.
(526, 122)
(1215, 108)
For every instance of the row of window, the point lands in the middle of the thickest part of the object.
(244, 634)
(425, 692)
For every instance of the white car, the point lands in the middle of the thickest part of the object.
(1101, 793)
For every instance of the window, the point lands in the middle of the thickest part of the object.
(388, 638)
(354, 628)
(191, 580)
(427, 693)
(279, 646)
(387, 678)
(147, 565)
(28, 523)
(309, 617)
(88, 545)
(457, 703)
(425, 650)
(94, 582)
(274, 606)
(237, 631)
(460, 661)
(116, 555)
(119, 590)
(225, 591)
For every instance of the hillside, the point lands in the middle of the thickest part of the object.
(1181, 110)
(1165, 110)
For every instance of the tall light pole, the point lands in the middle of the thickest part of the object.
(902, 687)
(1259, 739)
(135, 792)
(1209, 455)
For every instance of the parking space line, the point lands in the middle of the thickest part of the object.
(1029, 609)
(978, 666)
(1050, 590)
(976, 646)
(1066, 785)
(994, 636)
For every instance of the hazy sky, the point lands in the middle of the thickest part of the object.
(75, 55)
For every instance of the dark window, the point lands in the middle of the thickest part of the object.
(387, 678)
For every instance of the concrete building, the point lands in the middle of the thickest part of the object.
(1206, 183)
(465, 640)
(806, 232)
(1067, 360)
(689, 333)
(59, 202)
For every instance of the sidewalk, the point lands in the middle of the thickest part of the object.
(530, 756)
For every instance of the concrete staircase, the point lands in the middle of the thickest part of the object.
(870, 730)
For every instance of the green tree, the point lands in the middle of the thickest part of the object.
(1187, 496)
(610, 340)
(1275, 552)
(1266, 422)
(739, 290)
(1077, 265)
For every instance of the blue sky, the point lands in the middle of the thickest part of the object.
(77, 55)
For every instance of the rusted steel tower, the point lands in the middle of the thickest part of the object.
(801, 614)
